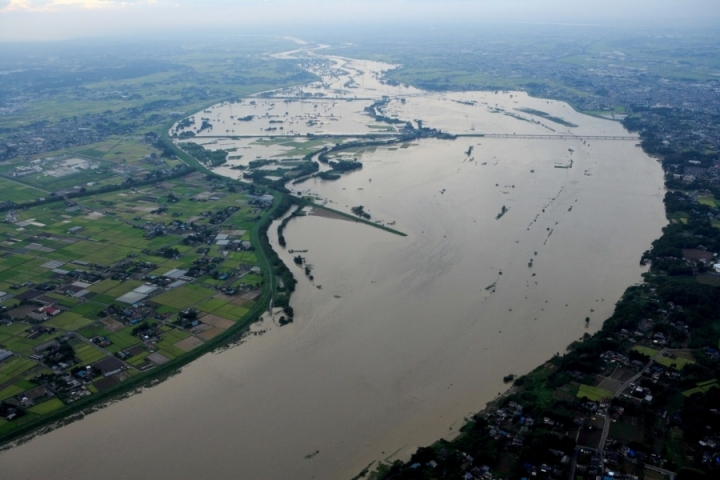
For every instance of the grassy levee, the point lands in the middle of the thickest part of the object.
(360, 220)
(264, 223)
(188, 160)
(256, 238)
(255, 234)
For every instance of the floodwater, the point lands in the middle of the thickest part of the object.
(397, 339)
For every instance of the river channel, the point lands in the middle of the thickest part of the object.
(511, 243)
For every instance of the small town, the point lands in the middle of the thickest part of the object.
(98, 291)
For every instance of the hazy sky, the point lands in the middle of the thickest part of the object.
(55, 19)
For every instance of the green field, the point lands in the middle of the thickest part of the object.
(677, 363)
(169, 350)
(104, 286)
(211, 305)
(11, 391)
(123, 288)
(702, 387)
(20, 344)
(138, 359)
(16, 366)
(646, 351)
(593, 393)
(63, 300)
(13, 329)
(251, 279)
(92, 331)
(88, 354)
(183, 297)
(47, 407)
(166, 309)
(248, 258)
(175, 335)
(123, 339)
(626, 433)
(88, 309)
(69, 321)
(231, 312)
(18, 192)
(709, 201)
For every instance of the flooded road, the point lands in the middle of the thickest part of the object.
(510, 245)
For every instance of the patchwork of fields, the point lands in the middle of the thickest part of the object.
(97, 291)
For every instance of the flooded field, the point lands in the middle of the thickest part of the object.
(511, 243)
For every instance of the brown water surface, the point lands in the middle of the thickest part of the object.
(396, 339)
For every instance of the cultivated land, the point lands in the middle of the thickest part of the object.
(100, 207)
(109, 288)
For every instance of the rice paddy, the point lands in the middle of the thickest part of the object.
(594, 394)
(80, 259)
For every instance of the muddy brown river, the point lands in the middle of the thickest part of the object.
(397, 339)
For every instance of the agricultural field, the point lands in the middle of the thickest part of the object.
(18, 192)
(59, 173)
(626, 431)
(650, 352)
(594, 394)
(702, 387)
(184, 296)
(99, 290)
(706, 200)
(677, 363)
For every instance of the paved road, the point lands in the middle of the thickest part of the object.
(573, 464)
(606, 426)
(655, 469)
(661, 470)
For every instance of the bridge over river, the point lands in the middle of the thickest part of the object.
(397, 134)
(561, 136)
